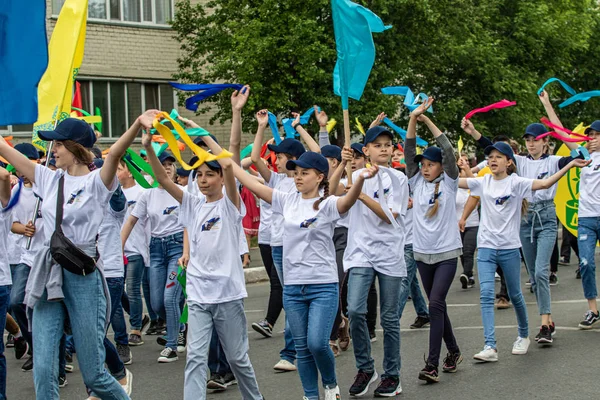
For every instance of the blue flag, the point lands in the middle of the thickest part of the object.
(206, 90)
(290, 132)
(24, 49)
(353, 26)
(410, 100)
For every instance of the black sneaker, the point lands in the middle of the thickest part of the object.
(372, 336)
(553, 329)
(182, 340)
(229, 379)
(62, 381)
(464, 281)
(263, 327)
(430, 373)
(420, 322)
(545, 336)
(590, 319)
(145, 323)
(451, 362)
(21, 347)
(563, 261)
(168, 355)
(388, 387)
(161, 341)
(362, 381)
(135, 339)
(152, 328)
(124, 353)
(161, 327)
(471, 282)
(28, 366)
(578, 273)
(10, 341)
(216, 382)
(553, 279)
(68, 357)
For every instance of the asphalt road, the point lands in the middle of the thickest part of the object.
(567, 369)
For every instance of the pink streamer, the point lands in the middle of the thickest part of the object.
(580, 138)
(501, 104)
(558, 136)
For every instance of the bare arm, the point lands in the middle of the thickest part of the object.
(471, 205)
(127, 228)
(539, 184)
(159, 170)
(263, 119)
(16, 159)
(344, 203)
(5, 183)
(310, 142)
(238, 101)
(334, 180)
(554, 118)
(226, 166)
(262, 191)
(374, 206)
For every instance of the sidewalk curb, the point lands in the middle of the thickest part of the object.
(255, 274)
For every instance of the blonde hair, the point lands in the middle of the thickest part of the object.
(436, 203)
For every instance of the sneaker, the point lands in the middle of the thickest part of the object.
(471, 282)
(62, 381)
(28, 365)
(161, 341)
(145, 323)
(124, 353)
(68, 356)
(589, 320)
(216, 382)
(161, 327)
(502, 304)
(497, 277)
(129, 384)
(553, 329)
(344, 334)
(429, 374)
(553, 279)
(544, 337)
(334, 347)
(578, 273)
(420, 322)
(168, 355)
(21, 347)
(451, 362)
(362, 381)
(372, 336)
(229, 379)
(263, 327)
(563, 261)
(152, 328)
(464, 281)
(135, 339)
(10, 341)
(182, 341)
(332, 394)
(284, 366)
(521, 345)
(69, 368)
(388, 387)
(488, 354)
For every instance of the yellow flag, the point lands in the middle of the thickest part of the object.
(330, 125)
(461, 145)
(360, 127)
(65, 55)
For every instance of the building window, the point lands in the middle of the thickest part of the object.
(144, 12)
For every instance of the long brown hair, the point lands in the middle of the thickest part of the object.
(325, 186)
(81, 154)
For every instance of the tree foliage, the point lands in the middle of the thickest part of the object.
(465, 53)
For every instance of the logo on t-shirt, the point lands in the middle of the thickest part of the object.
(434, 197)
(308, 222)
(210, 224)
(74, 196)
(597, 167)
(385, 192)
(169, 210)
(542, 175)
(501, 200)
(131, 203)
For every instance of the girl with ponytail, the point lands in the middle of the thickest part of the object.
(436, 237)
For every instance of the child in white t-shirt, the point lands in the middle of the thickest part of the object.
(501, 197)
(5, 280)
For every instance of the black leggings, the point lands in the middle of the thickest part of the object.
(340, 238)
(436, 279)
(276, 295)
(569, 241)
(469, 242)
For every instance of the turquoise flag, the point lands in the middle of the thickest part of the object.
(353, 26)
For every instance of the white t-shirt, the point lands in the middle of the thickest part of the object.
(14, 247)
(541, 168)
(264, 229)
(373, 243)
(23, 213)
(408, 227)
(85, 198)
(214, 272)
(5, 225)
(461, 201)
(162, 211)
(589, 188)
(284, 184)
(344, 221)
(308, 250)
(109, 242)
(482, 165)
(440, 233)
(138, 242)
(501, 203)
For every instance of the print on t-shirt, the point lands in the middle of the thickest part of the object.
(212, 223)
(169, 210)
(597, 167)
(131, 203)
(385, 193)
(501, 200)
(74, 196)
(308, 222)
(542, 175)
(434, 197)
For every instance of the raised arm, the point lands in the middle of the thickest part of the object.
(263, 119)
(261, 191)
(335, 187)
(304, 135)
(344, 203)
(159, 170)
(539, 184)
(410, 144)
(322, 119)
(545, 99)
(226, 166)
(238, 101)
(469, 128)
(17, 160)
(5, 184)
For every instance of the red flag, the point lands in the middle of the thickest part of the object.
(77, 99)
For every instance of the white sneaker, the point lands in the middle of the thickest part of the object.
(127, 387)
(284, 366)
(521, 345)
(333, 394)
(488, 354)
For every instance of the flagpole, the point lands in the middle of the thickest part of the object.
(347, 143)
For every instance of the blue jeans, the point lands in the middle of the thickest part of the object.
(289, 351)
(117, 318)
(510, 262)
(165, 291)
(359, 282)
(4, 303)
(135, 274)
(85, 302)
(410, 286)
(217, 362)
(538, 235)
(147, 297)
(20, 274)
(588, 233)
(311, 311)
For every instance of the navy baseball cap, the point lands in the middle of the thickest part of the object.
(535, 130)
(595, 126)
(431, 153)
(183, 172)
(71, 129)
(375, 132)
(358, 147)
(331, 151)
(310, 160)
(98, 162)
(28, 150)
(199, 142)
(166, 156)
(289, 146)
(503, 148)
